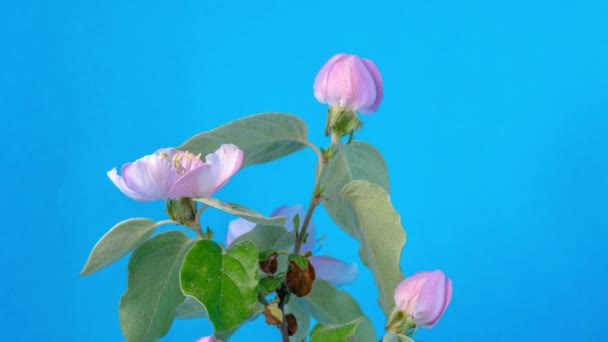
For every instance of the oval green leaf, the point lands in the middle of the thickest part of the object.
(241, 211)
(355, 161)
(117, 242)
(266, 238)
(378, 228)
(262, 137)
(225, 281)
(149, 305)
(328, 305)
(334, 332)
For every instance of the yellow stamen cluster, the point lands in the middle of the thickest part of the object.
(176, 161)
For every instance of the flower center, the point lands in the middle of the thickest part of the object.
(182, 161)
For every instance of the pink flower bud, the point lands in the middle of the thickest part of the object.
(350, 82)
(207, 339)
(424, 296)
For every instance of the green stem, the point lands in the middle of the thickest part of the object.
(314, 201)
(311, 208)
(197, 220)
(334, 138)
(283, 326)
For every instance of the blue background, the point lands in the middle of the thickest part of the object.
(493, 126)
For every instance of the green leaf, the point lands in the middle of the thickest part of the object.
(243, 212)
(149, 305)
(262, 137)
(302, 317)
(268, 238)
(334, 332)
(328, 305)
(191, 308)
(117, 242)
(392, 337)
(268, 285)
(355, 161)
(378, 228)
(225, 281)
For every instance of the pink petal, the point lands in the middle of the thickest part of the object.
(209, 177)
(350, 85)
(230, 159)
(431, 300)
(320, 84)
(424, 296)
(120, 184)
(290, 211)
(379, 85)
(333, 270)
(199, 182)
(207, 339)
(150, 177)
(406, 293)
(237, 228)
(364, 88)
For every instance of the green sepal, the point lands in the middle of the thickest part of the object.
(183, 211)
(300, 260)
(341, 122)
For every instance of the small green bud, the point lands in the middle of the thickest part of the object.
(183, 211)
(341, 122)
(400, 322)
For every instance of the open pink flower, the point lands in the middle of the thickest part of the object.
(350, 82)
(171, 173)
(424, 296)
(207, 339)
(330, 269)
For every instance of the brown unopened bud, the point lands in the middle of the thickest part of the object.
(269, 266)
(292, 324)
(299, 281)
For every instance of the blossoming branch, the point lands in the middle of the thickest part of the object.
(270, 266)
